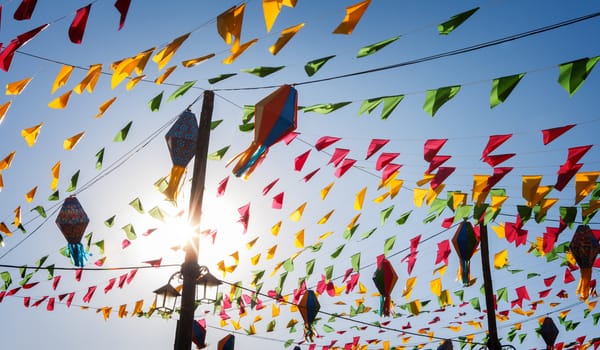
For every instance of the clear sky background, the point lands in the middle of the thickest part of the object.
(131, 168)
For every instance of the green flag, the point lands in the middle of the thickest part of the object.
(181, 90)
(157, 213)
(215, 123)
(122, 134)
(73, 183)
(313, 66)
(137, 205)
(218, 155)
(502, 87)
(573, 74)
(337, 251)
(100, 245)
(385, 214)
(110, 221)
(129, 232)
(154, 103)
(310, 266)
(54, 196)
(324, 108)
(329, 272)
(475, 303)
(262, 71)
(40, 210)
(388, 245)
(436, 98)
(355, 261)
(402, 219)
(99, 159)
(371, 49)
(220, 77)
(456, 20)
(389, 104)
(368, 233)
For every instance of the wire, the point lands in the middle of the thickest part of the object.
(436, 56)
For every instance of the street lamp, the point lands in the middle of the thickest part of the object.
(207, 287)
(166, 297)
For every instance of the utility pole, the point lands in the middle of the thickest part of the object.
(190, 269)
(493, 343)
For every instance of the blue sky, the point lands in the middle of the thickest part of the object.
(537, 103)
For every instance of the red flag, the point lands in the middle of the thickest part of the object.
(442, 174)
(385, 159)
(289, 137)
(78, 274)
(432, 147)
(78, 25)
(90, 293)
(550, 135)
(25, 10)
(123, 7)
(499, 173)
(311, 174)
(277, 201)
(375, 146)
(522, 293)
(70, 299)
(565, 174)
(494, 142)
(50, 306)
(131, 275)
(389, 170)
(30, 285)
(244, 216)
(110, 285)
(568, 277)
(338, 156)
(576, 153)
(122, 280)
(269, 187)
(436, 162)
(346, 165)
(55, 282)
(153, 263)
(222, 186)
(7, 54)
(325, 142)
(300, 160)
(497, 159)
(548, 281)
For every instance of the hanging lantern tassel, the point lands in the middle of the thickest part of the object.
(72, 222)
(584, 247)
(309, 308)
(385, 278)
(465, 244)
(181, 140)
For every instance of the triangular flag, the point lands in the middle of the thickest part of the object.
(61, 101)
(31, 134)
(25, 10)
(79, 23)
(104, 106)
(313, 66)
(163, 56)
(573, 74)
(229, 25)
(494, 142)
(502, 87)
(62, 77)
(552, 134)
(3, 109)
(353, 15)
(69, 143)
(123, 7)
(16, 87)
(376, 145)
(90, 79)
(195, 61)
(371, 49)
(285, 36)
(271, 9)
(456, 20)
(434, 99)
(432, 147)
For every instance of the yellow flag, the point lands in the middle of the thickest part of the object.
(479, 184)
(353, 15)
(426, 178)
(408, 287)
(497, 202)
(442, 270)
(445, 298)
(104, 106)
(62, 77)
(31, 134)
(325, 217)
(432, 194)
(133, 82)
(419, 196)
(1, 182)
(122, 69)
(195, 61)
(122, 310)
(61, 101)
(4, 229)
(395, 186)
(229, 25)
(415, 307)
(235, 324)
(379, 199)
(458, 199)
(271, 252)
(271, 9)
(69, 143)
(360, 198)
(106, 312)
(325, 235)
(90, 79)
(165, 75)
(594, 205)
(250, 244)
(275, 229)
(299, 239)
(585, 183)
(297, 214)
(255, 259)
(142, 59)
(238, 51)
(18, 216)
(540, 193)
(236, 257)
(30, 195)
(501, 259)
(436, 286)
(163, 56)
(16, 87)
(545, 205)
(454, 328)
(326, 190)
(285, 36)
(5, 163)
(137, 308)
(55, 175)
(275, 310)
(3, 109)
(530, 184)
(352, 222)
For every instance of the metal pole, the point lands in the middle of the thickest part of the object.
(493, 343)
(190, 268)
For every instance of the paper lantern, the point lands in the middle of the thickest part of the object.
(181, 140)
(72, 222)
(226, 343)
(446, 345)
(549, 332)
(385, 278)
(275, 117)
(465, 243)
(309, 308)
(584, 247)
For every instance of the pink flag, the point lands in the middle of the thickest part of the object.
(222, 187)
(346, 165)
(88, 296)
(375, 146)
(497, 159)
(385, 159)
(269, 187)
(432, 147)
(442, 174)
(311, 174)
(300, 160)
(244, 216)
(325, 142)
(277, 201)
(436, 162)
(78, 25)
(338, 156)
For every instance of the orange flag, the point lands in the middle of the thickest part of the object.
(195, 61)
(16, 87)
(271, 9)
(163, 56)
(55, 175)
(237, 51)
(69, 143)
(353, 15)
(285, 36)
(30, 195)
(90, 79)
(104, 106)
(229, 25)
(3, 109)
(31, 134)
(62, 77)
(5, 163)
(61, 101)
